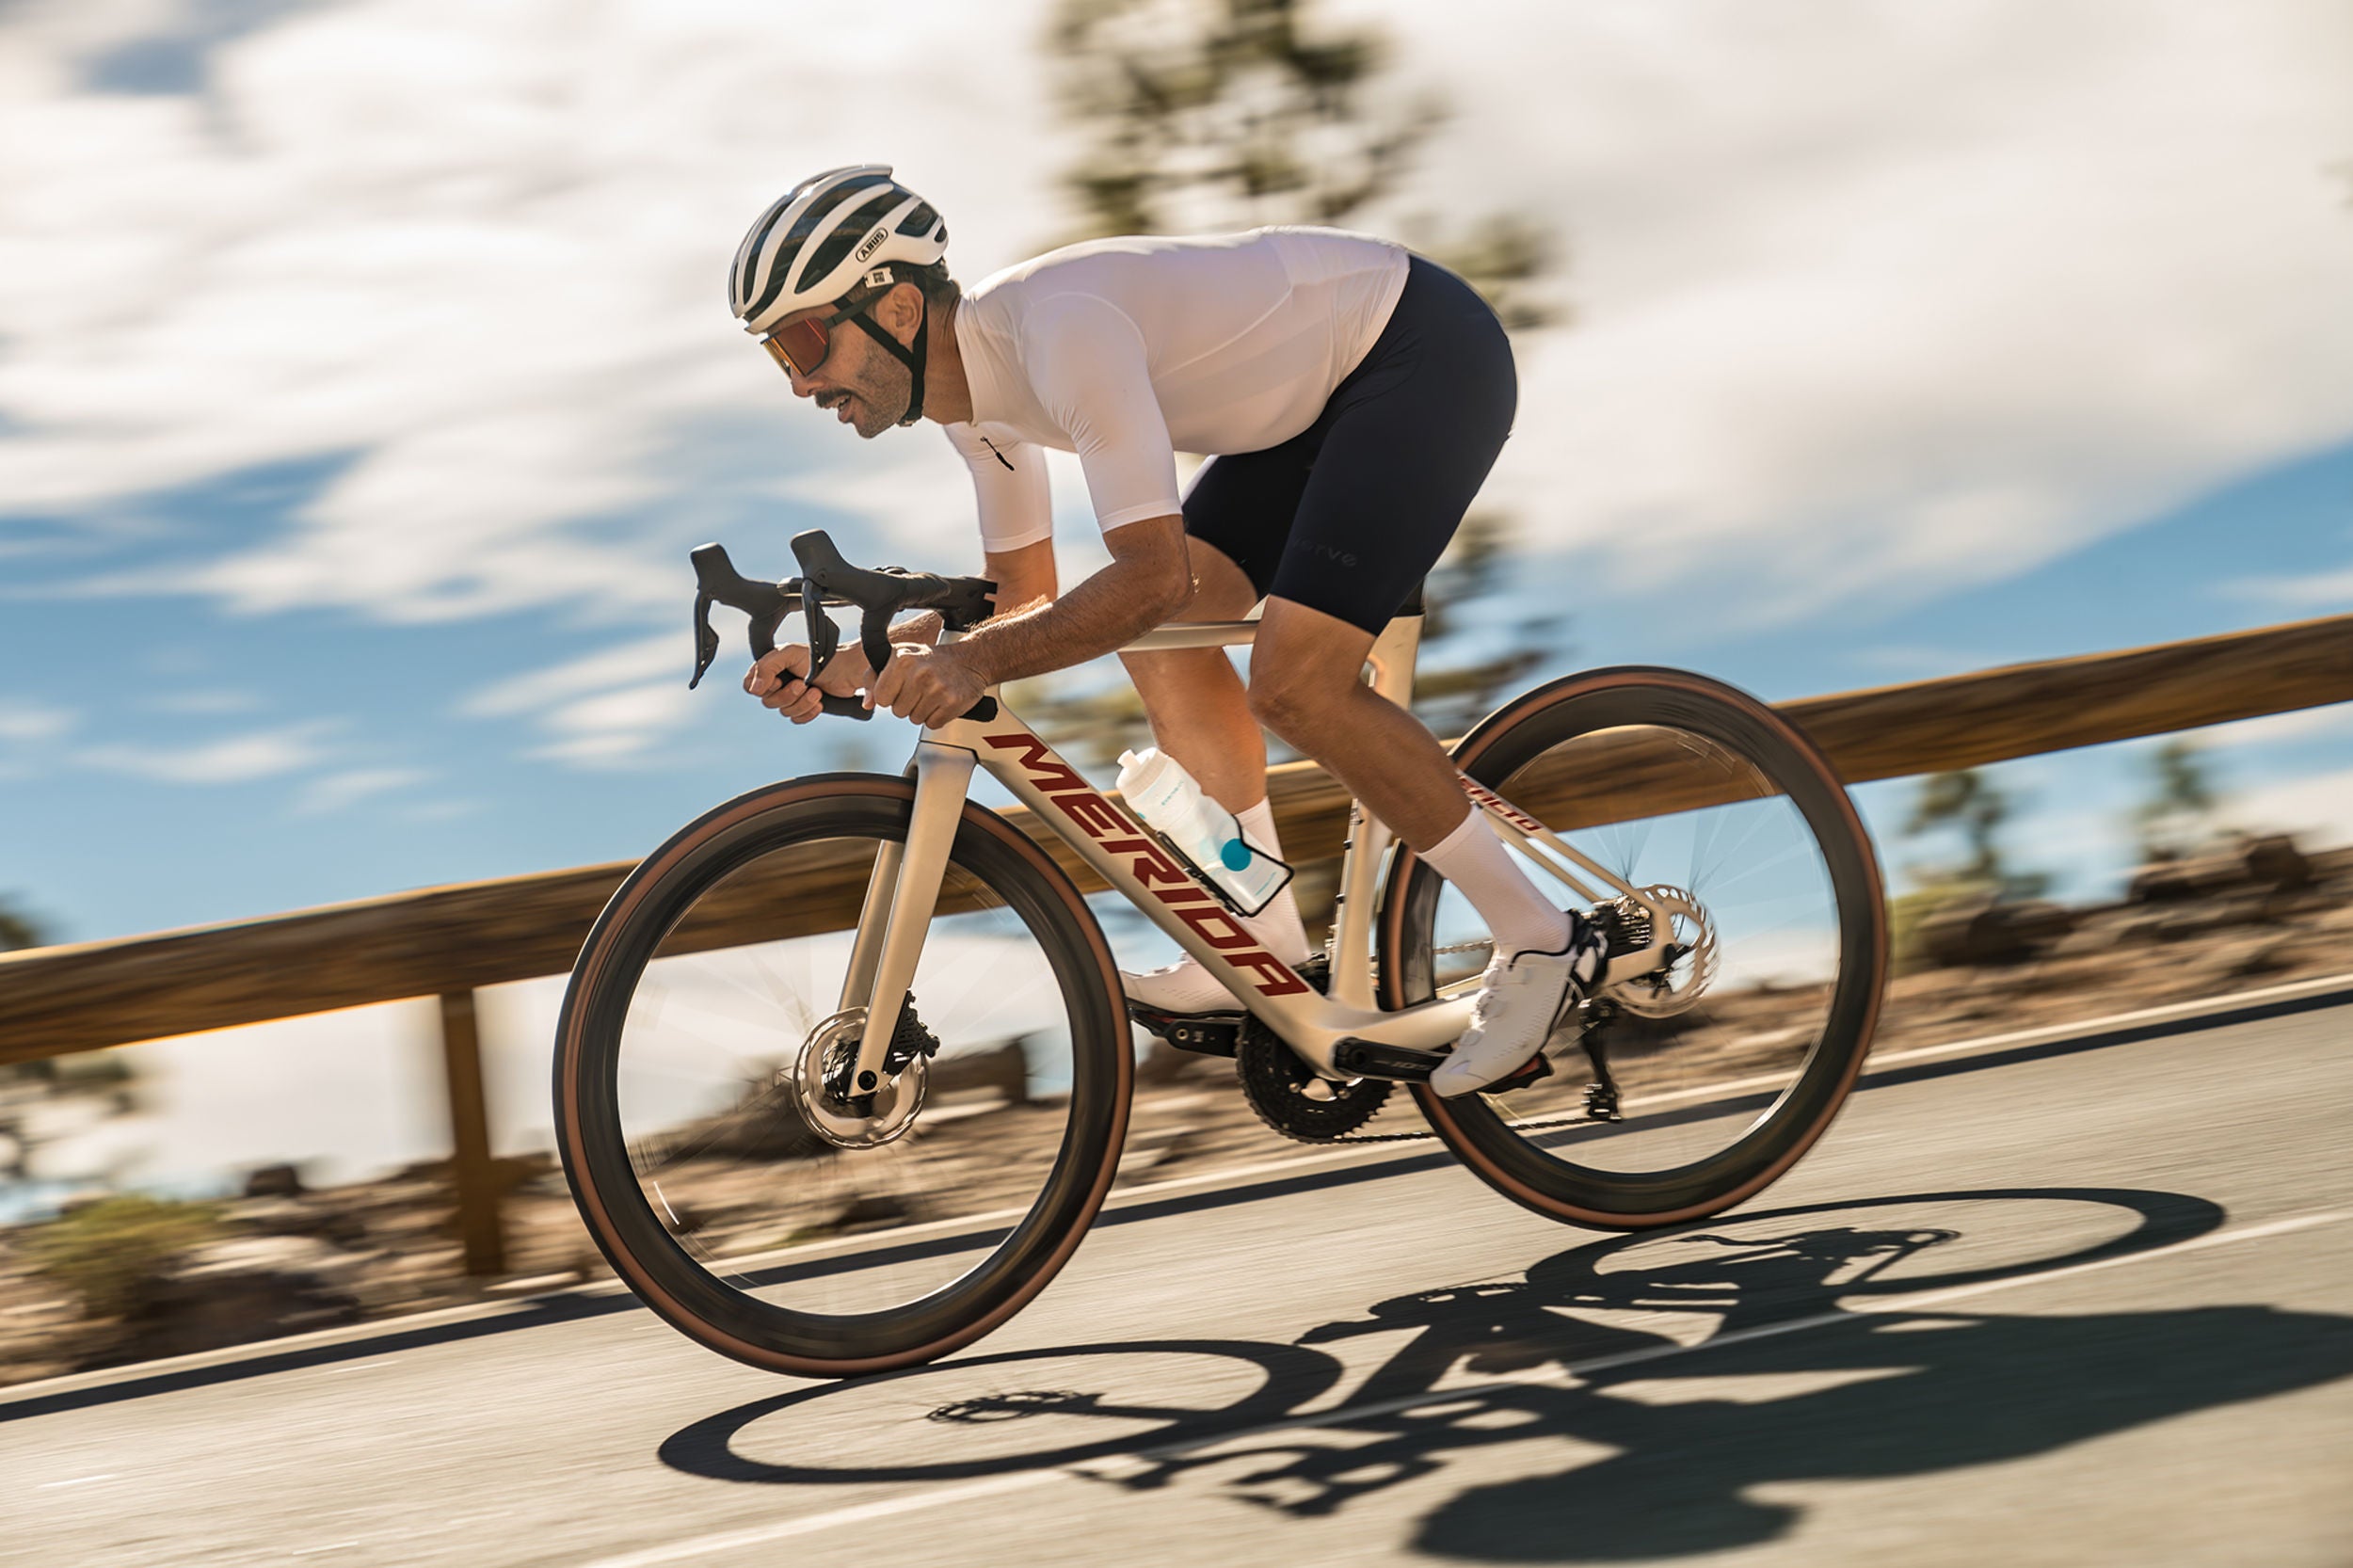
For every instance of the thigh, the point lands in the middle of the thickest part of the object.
(1242, 504)
(1222, 590)
(1402, 459)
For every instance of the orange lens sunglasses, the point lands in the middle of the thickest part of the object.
(800, 346)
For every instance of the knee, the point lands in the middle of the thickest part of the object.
(1289, 707)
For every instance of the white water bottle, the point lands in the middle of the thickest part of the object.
(1158, 789)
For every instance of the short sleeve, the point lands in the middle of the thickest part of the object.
(1087, 365)
(1009, 481)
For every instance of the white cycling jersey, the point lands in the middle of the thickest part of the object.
(1127, 351)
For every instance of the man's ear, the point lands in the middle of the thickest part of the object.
(901, 312)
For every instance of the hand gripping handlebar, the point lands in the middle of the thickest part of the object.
(825, 578)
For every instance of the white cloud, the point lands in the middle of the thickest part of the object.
(479, 250)
(337, 791)
(23, 722)
(2329, 590)
(605, 709)
(1881, 299)
(1873, 298)
(235, 760)
(612, 667)
(615, 728)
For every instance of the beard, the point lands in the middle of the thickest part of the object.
(882, 396)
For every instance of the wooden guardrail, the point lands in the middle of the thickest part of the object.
(449, 941)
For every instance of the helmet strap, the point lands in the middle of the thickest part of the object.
(911, 357)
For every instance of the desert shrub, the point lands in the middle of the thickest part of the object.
(100, 1250)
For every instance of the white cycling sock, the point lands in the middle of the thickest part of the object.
(1277, 925)
(1519, 915)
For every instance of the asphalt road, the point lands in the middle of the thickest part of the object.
(2076, 1304)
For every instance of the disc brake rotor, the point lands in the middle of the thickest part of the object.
(854, 1121)
(1691, 938)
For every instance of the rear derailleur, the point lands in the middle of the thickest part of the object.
(1601, 1095)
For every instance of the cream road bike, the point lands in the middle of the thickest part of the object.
(844, 1073)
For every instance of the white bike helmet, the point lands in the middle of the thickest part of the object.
(830, 234)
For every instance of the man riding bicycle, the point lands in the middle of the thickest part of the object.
(1353, 396)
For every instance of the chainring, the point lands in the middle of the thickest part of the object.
(1287, 1096)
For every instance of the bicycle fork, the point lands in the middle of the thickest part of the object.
(900, 898)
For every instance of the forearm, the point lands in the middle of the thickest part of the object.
(1099, 614)
(923, 627)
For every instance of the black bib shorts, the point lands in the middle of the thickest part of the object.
(1350, 514)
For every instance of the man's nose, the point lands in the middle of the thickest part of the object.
(802, 386)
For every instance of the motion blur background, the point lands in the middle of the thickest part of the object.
(365, 374)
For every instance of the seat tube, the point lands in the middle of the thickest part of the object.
(942, 774)
(1392, 664)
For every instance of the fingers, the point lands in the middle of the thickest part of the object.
(775, 680)
(780, 664)
(884, 689)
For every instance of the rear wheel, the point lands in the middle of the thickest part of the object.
(1732, 1059)
(721, 1175)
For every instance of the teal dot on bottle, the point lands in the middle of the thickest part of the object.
(1235, 854)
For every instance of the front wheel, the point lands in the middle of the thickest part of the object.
(728, 1186)
(1732, 1059)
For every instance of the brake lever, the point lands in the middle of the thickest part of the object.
(873, 635)
(706, 641)
(823, 636)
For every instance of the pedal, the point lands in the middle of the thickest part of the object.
(1536, 1067)
(1215, 1033)
(1207, 1033)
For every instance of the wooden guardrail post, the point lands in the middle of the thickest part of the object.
(473, 1177)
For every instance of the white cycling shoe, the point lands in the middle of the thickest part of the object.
(1180, 987)
(1521, 1000)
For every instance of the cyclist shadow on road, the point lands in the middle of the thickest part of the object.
(1682, 1371)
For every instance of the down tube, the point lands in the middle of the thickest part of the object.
(1134, 861)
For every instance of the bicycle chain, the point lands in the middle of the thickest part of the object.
(1416, 1137)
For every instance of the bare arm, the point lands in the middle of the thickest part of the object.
(1149, 578)
(1024, 576)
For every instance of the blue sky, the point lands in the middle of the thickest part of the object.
(364, 378)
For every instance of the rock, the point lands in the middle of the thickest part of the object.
(1003, 1069)
(765, 1127)
(1985, 930)
(2275, 863)
(229, 1293)
(329, 1222)
(274, 1181)
(872, 1211)
(1153, 1148)
(2246, 955)
(2272, 862)
(2191, 877)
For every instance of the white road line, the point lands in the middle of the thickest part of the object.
(783, 1529)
